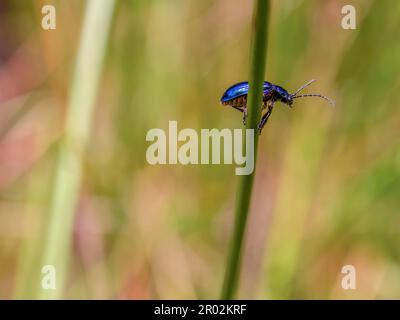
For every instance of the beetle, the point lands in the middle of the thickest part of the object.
(236, 97)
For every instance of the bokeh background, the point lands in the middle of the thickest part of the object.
(327, 186)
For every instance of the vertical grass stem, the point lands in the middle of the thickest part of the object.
(256, 78)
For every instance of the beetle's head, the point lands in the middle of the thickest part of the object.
(283, 96)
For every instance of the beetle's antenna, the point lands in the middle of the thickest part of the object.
(302, 87)
(315, 95)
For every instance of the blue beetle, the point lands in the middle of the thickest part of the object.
(236, 97)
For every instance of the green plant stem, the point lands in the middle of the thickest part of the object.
(81, 105)
(258, 61)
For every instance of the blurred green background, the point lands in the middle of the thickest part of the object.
(327, 187)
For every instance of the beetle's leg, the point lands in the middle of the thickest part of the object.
(267, 99)
(244, 115)
(242, 109)
(264, 118)
(238, 108)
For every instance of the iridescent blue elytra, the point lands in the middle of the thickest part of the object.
(236, 97)
(240, 89)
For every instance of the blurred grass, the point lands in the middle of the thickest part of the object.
(72, 149)
(327, 185)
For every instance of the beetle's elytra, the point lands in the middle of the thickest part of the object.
(236, 97)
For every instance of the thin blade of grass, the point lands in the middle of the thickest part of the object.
(257, 68)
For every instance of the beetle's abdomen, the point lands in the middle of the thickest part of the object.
(239, 102)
